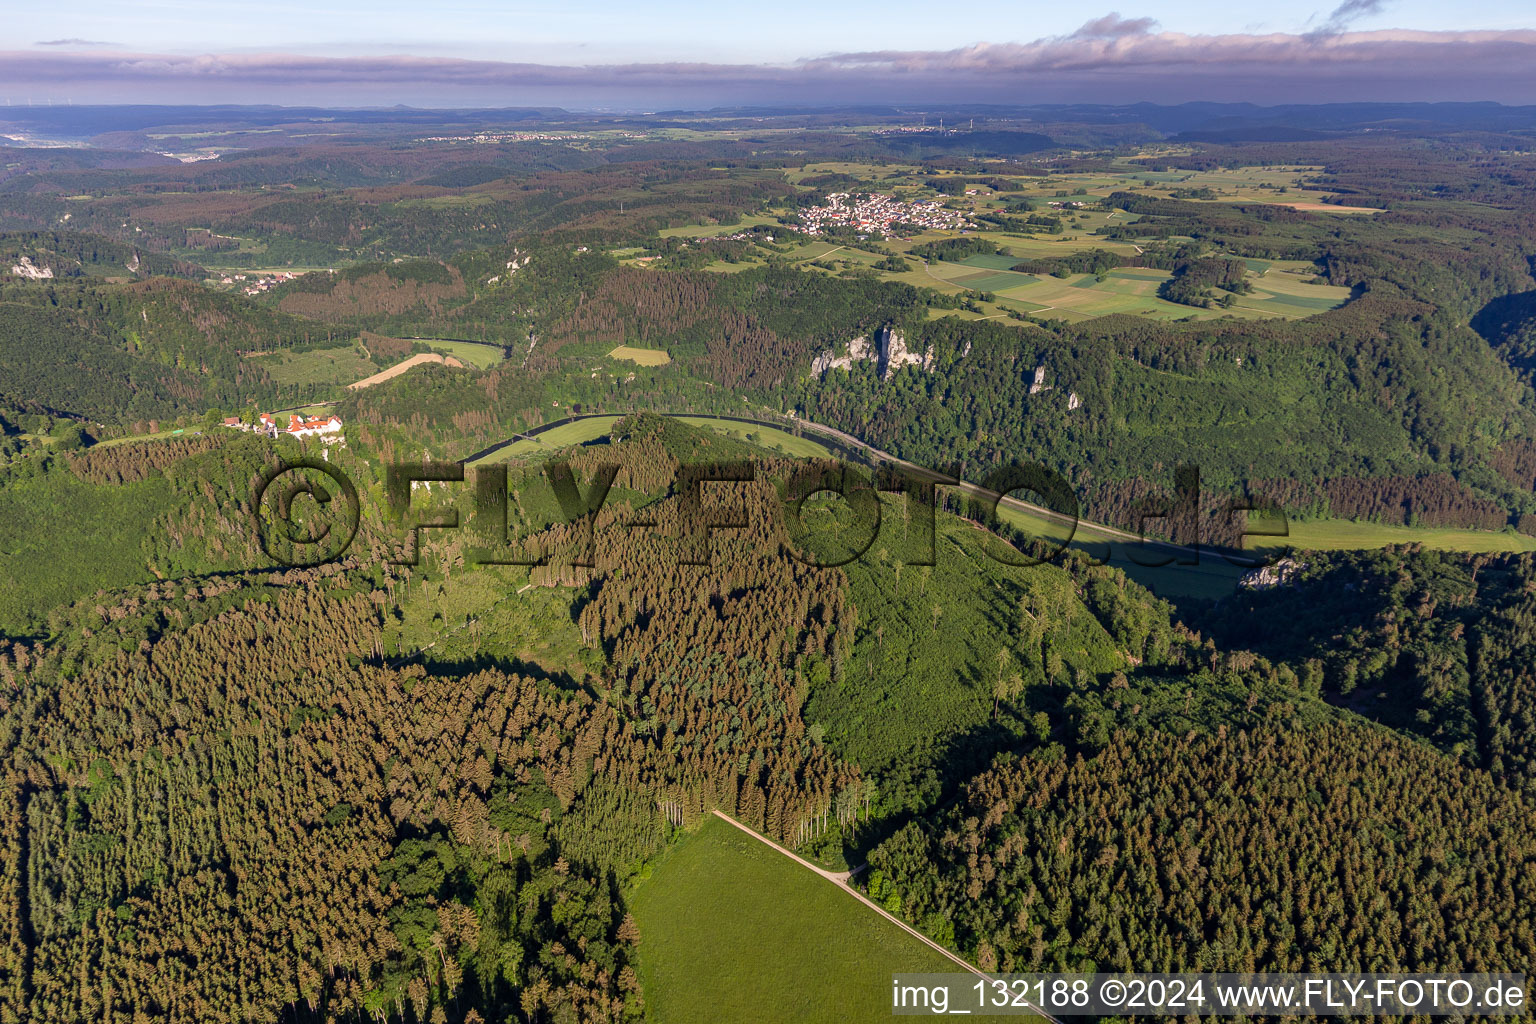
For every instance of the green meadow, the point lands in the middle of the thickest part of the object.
(764, 437)
(470, 353)
(732, 930)
(326, 366)
(1346, 534)
(563, 436)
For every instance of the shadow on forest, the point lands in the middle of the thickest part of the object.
(966, 754)
(1508, 325)
(459, 667)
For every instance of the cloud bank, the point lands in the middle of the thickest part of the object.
(1108, 59)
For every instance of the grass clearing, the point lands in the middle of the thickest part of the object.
(320, 367)
(470, 353)
(731, 930)
(764, 437)
(643, 356)
(566, 434)
(1346, 534)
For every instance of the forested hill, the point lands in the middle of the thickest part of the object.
(1386, 407)
(421, 783)
(1390, 407)
(126, 353)
(60, 254)
(268, 723)
(1276, 848)
(254, 789)
(1403, 405)
(1428, 642)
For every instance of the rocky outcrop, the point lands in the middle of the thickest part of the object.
(1281, 574)
(859, 350)
(889, 353)
(894, 354)
(33, 273)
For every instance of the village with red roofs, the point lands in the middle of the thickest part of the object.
(327, 428)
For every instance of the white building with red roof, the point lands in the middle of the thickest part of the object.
(298, 426)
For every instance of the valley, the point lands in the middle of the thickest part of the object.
(790, 548)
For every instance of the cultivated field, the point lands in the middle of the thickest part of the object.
(1279, 290)
(643, 356)
(594, 427)
(403, 366)
(731, 930)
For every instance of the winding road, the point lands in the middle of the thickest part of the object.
(975, 490)
(875, 455)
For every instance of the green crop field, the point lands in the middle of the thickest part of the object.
(1284, 291)
(594, 427)
(988, 261)
(1212, 577)
(994, 282)
(814, 250)
(1054, 245)
(731, 930)
(643, 356)
(711, 230)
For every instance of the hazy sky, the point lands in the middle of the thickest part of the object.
(623, 31)
(690, 52)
